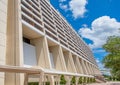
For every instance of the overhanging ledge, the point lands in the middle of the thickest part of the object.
(18, 69)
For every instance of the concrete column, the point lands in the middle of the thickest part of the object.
(52, 80)
(68, 79)
(14, 55)
(3, 36)
(26, 79)
(58, 80)
(41, 79)
(77, 79)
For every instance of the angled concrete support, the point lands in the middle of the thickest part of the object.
(91, 72)
(72, 63)
(84, 66)
(42, 52)
(88, 69)
(63, 59)
(80, 69)
(57, 57)
(69, 62)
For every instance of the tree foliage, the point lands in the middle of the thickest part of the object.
(112, 60)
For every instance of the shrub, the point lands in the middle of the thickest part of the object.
(90, 80)
(33, 83)
(93, 80)
(87, 80)
(73, 80)
(62, 80)
(36, 83)
(80, 81)
(47, 83)
(84, 79)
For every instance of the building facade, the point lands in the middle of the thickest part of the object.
(34, 34)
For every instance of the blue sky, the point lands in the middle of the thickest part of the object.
(94, 20)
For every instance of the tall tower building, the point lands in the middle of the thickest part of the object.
(33, 36)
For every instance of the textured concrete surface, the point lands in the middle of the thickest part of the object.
(107, 83)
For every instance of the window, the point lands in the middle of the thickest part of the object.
(52, 60)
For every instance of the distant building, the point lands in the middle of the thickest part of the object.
(34, 34)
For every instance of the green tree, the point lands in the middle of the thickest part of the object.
(112, 60)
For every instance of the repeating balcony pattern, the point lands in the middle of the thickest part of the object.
(41, 15)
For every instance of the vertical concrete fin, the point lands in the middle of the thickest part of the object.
(14, 55)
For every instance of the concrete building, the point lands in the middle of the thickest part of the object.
(34, 35)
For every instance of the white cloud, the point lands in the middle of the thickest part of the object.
(63, 6)
(98, 51)
(97, 60)
(62, 0)
(99, 63)
(85, 25)
(78, 7)
(100, 30)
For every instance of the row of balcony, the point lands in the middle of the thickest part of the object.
(60, 58)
